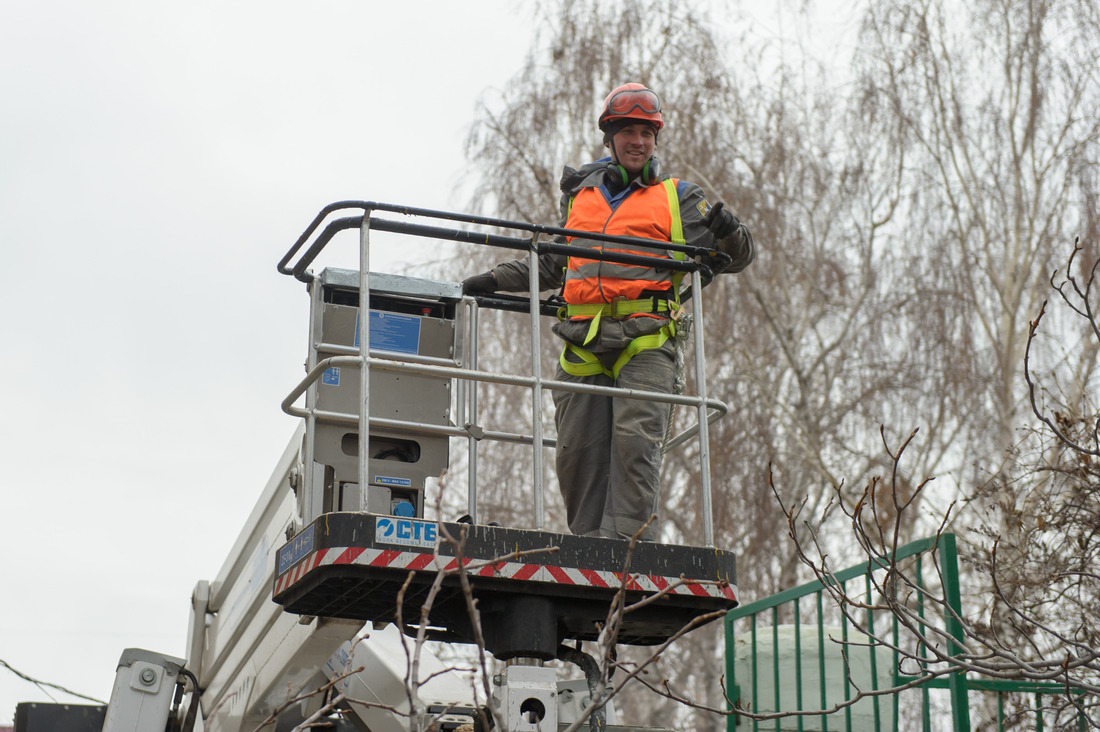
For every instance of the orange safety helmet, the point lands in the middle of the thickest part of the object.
(631, 101)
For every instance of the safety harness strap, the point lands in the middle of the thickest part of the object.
(618, 308)
(590, 364)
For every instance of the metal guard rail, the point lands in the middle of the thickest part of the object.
(720, 259)
(700, 262)
(383, 361)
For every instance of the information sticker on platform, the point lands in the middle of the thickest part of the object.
(294, 552)
(405, 532)
(392, 332)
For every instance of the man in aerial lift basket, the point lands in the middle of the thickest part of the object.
(620, 321)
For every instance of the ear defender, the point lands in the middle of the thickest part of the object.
(624, 177)
(651, 171)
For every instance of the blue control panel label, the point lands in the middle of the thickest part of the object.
(405, 532)
(392, 332)
(331, 377)
(390, 480)
(296, 550)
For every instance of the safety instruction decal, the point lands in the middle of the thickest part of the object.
(405, 532)
(392, 332)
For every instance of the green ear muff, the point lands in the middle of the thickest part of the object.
(651, 171)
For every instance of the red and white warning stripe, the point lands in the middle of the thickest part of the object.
(393, 559)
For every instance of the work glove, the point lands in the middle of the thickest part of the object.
(481, 284)
(720, 221)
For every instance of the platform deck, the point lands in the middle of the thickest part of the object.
(534, 589)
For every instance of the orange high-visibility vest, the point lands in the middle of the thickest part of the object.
(594, 288)
(649, 213)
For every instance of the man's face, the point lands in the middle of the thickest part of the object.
(634, 145)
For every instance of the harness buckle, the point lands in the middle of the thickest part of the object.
(617, 311)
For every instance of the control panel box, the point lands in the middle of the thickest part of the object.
(409, 319)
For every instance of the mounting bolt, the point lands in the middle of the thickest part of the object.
(148, 676)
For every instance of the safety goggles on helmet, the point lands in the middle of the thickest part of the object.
(624, 102)
(631, 101)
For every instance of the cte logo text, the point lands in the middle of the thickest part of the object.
(406, 532)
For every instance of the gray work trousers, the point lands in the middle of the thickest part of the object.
(609, 448)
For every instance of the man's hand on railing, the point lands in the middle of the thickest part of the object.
(481, 284)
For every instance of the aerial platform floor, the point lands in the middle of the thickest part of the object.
(534, 589)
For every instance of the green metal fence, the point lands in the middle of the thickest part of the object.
(772, 654)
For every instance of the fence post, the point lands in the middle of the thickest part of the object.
(732, 689)
(949, 565)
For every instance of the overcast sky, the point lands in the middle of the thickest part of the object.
(156, 161)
